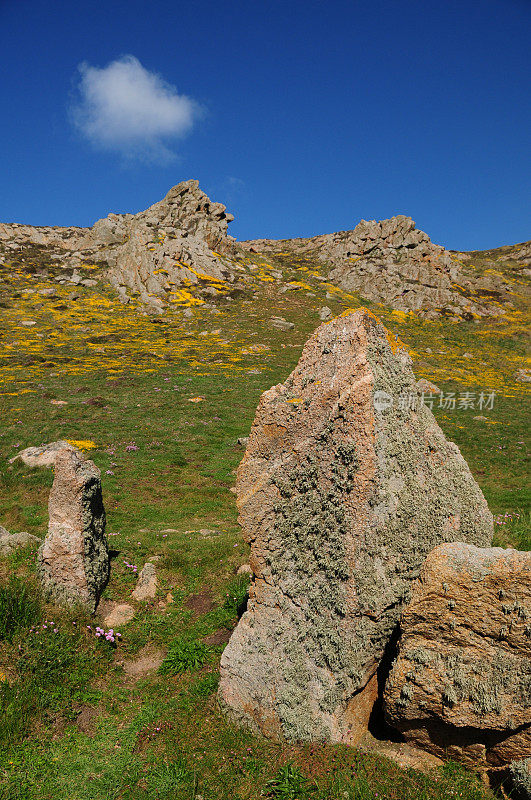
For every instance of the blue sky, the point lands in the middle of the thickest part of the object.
(302, 117)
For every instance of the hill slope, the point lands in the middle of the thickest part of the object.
(159, 400)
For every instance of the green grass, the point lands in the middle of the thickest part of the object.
(20, 607)
(184, 656)
(54, 663)
(237, 596)
(289, 784)
(162, 735)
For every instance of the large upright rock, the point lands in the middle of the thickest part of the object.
(343, 490)
(461, 685)
(73, 559)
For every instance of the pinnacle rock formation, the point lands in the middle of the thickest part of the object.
(342, 492)
(171, 244)
(73, 560)
(461, 684)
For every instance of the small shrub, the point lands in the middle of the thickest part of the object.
(184, 656)
(19, 608)
(289, 784)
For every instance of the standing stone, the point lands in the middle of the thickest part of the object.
(461, 685)
(342, 492)
(73, 559)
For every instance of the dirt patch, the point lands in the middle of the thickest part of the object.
(402, 754)
(148, 660)
(219, 637)
(86, 720)
(200, 603)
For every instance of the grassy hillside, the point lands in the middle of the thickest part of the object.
(159, 402)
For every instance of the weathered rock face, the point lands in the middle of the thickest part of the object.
(394, 261)
(73, 559)
(341, 496)
(461, 685)
(170, 245)
(44, 455)
(155, 252)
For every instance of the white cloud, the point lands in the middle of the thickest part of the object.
(126, 108)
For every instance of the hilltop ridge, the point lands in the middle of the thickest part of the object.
(179, 251)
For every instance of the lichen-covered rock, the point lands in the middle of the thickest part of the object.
(461, 685)
(73, 560)
(42, 456)
(341, 497)
(520, 775)
(9, 542)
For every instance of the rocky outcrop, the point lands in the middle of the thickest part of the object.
(180, 241)
(461, 685)
(73, 560)
(341, 496)
(175, 243)
(393, 263)
(181, 244)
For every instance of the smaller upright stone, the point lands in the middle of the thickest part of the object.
(74, 559)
